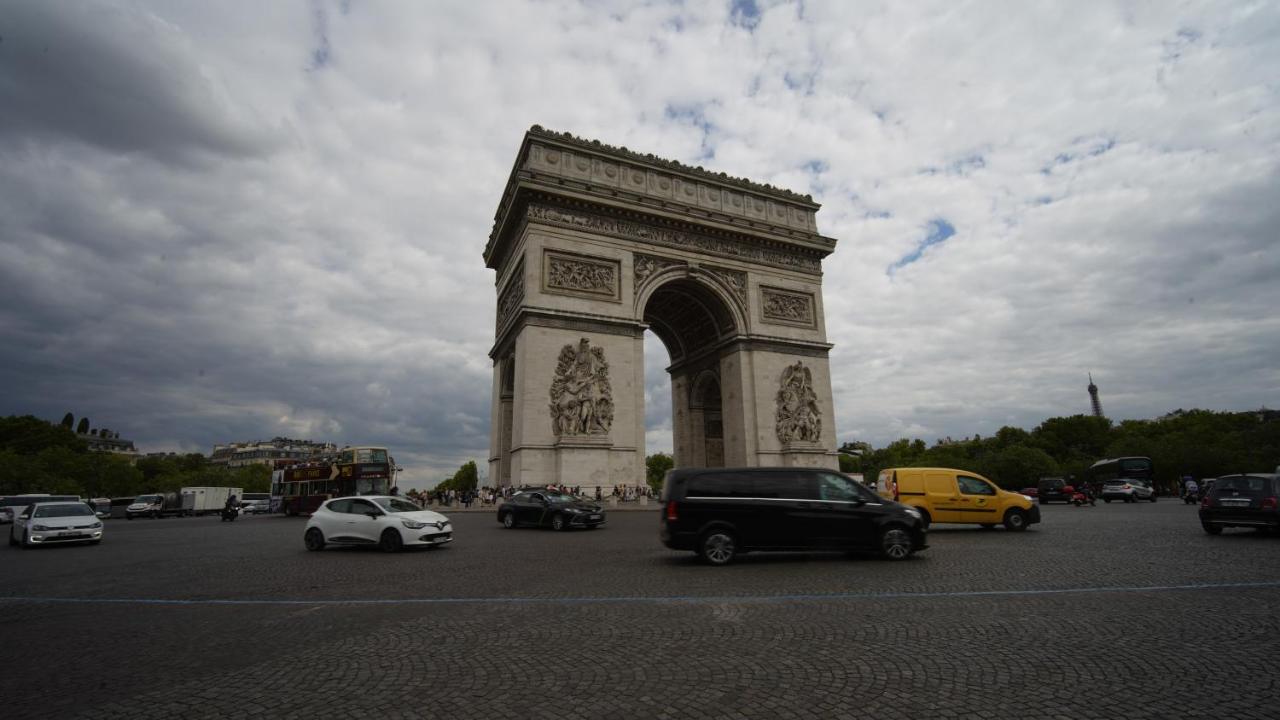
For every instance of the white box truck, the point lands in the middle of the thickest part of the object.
(210, 499)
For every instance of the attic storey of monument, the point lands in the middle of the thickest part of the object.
(591, 246)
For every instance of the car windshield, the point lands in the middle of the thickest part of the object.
(558, 497)
(68, 510)
(396, 505)
(146, 498)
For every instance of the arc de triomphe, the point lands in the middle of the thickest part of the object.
(593, 244)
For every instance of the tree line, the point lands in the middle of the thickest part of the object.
(38, 456)
(1199, 443)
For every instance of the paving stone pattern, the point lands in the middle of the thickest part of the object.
(608, 623)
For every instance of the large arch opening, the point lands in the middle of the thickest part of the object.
(692, 322)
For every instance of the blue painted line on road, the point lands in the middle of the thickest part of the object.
(643, 599)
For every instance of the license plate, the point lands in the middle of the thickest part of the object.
(66, 533)
(595, 517)
(1236, 503)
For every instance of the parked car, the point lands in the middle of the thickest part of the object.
(946, 495)
(547, 508)
(50, 523)
(255, 507)
(385, 521)
(720, 513)
(1128, 490)
(1242, 500)
(12, 505)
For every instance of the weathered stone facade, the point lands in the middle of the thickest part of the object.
(594, 244)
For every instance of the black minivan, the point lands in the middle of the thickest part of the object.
(721, 512)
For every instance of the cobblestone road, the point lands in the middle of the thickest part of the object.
(1098, 612)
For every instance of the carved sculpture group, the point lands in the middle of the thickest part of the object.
(581, 397)
(798, 417)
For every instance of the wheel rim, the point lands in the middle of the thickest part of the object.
(1015, 520)
(557, 522)
(390, 541)
(719, 548)
(313, 539)
(896, 543)
(509, 520)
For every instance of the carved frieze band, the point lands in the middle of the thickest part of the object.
(569, 274)
(786, 307)
(627, 229)
(512, 296)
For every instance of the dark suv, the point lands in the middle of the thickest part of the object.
(1244, 500)
(721, 512)
(1050, 489)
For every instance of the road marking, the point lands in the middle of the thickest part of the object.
(642, 599)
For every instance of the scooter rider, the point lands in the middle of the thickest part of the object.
(232, 506)
(1190, 487)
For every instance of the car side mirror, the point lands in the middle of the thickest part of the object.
(373, 514)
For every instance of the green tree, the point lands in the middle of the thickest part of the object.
(83, 427)
(68, 421)
(467, 477)
(655, 469)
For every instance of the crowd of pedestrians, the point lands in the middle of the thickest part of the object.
(486, 496)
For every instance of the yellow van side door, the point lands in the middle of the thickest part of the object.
(943, 499)
(979, 500)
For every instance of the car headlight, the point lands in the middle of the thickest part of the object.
(1027, 498)
(96, 525)
(39, 528)
(912, 512)
(413, 524)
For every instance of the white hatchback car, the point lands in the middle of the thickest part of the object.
(50, 523)
(387, 521)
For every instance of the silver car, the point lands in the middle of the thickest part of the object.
(51, 523)
(1128, 490)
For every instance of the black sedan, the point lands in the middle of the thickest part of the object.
(1245, 500)
(547, 508)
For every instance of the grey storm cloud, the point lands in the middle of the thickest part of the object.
(114, 77)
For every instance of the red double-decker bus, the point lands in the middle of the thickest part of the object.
(301, 487)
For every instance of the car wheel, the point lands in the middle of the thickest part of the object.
(558, 523)
(1076, 503)
(1106, 500)
(717, 547)
(390, 541)
(508, 520)
(1015, 520)
(895, 543)
(314, 539)
(26, 540)
(1153, 497)
(1211, 529)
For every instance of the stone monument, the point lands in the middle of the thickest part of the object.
(592, 245)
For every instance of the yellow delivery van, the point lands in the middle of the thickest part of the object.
(945, 495)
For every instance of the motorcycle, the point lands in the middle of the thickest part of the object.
(229, 514)
(1192, 496)
(1080, 496)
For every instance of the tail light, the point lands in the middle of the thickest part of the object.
(672, 515)
(1205, 502)
(1269, 503)
(1127, 486)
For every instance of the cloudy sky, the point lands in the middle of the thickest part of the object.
(234, 220)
